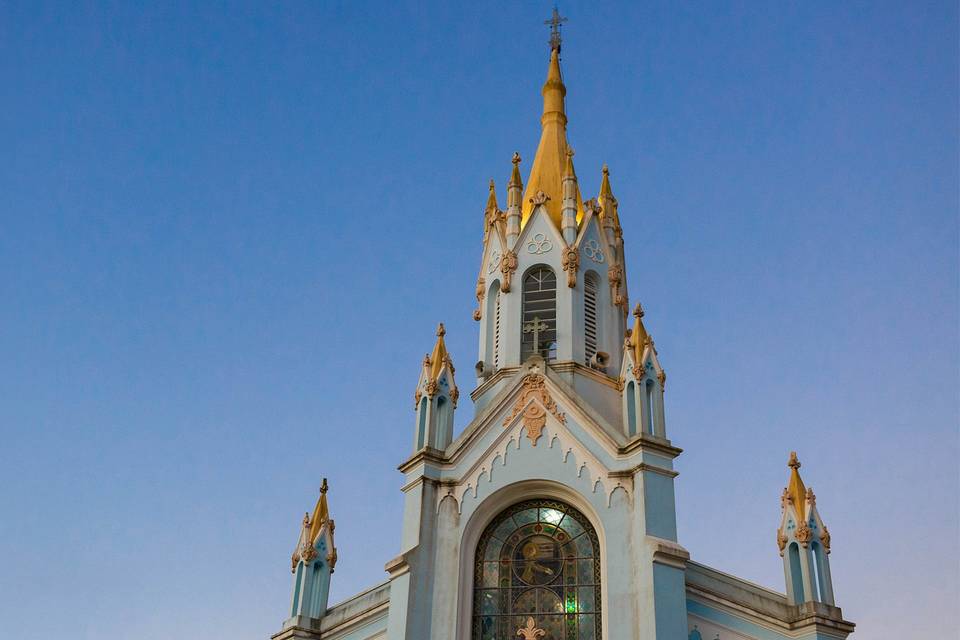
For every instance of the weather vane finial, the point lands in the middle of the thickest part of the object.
(555, 21)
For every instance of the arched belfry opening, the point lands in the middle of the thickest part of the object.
(537, 560)
(539, 314)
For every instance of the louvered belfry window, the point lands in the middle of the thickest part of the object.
(539, 559)
(590, 291)
(539, 314)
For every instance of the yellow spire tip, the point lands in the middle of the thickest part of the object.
(793, 463)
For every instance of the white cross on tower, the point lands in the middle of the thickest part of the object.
(535, 326)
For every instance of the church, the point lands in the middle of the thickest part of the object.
(552, 515)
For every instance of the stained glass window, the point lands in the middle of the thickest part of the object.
(539, 559)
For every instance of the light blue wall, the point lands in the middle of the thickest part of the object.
(660, 505)
(669, 602)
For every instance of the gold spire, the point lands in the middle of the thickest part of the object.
(608, 203)
(439, 355)
(492, 198)
(320, 512)
(546, 174)
(568, 167)
(639, 335)
(515, 179)
(796, 490)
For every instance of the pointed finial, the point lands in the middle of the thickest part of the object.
(492, 199)
(441, 331)
(516, 158)
(638, 311)
(606, 169)
(793, 463)
(568, 166)
(323, 487)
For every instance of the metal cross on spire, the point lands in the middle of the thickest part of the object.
(555, 21)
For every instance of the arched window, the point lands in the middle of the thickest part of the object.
(538, 559)
(649, 403)
(821, 588)
(539, 314)
(422, 426)
(796, 575)
(631, 409)
(591, 289)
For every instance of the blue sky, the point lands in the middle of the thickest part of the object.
(230, 229)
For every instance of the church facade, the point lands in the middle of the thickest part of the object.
(552, 516)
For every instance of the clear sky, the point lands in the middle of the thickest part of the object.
(229, 231)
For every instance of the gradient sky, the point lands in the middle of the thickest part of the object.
(229, 230)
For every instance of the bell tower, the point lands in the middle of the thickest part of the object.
(552, 279)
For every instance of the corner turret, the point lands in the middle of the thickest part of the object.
(312, 564)
(804, 542)
(436, 397)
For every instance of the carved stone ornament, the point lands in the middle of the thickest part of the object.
(416, 399)
(811, 497)
(534, 415)
(638, 371)
(804, 533)
(307, 553)
(455, 396)
(593, 250)
(591, 206)
(531, 632)
(781, 541)
(825, 538)
(570, 261)
(494, 261)
(539, 198)
(431, 388)
(481, 292)
(615, 277)
(539, 244)
(662, 377)
(508, 264)
(785, 499)
(332, 559)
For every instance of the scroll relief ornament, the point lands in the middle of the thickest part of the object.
(804, 533)
(570, 261)
(535, 415)
(508, 264)
(494, 261)
(615, 276)
(539, 198)
(481, 292)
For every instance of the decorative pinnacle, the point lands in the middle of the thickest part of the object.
(516, 158)
(554, 22)
(793, 463)
(638, 311)
(324, 486)
(441, 331)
